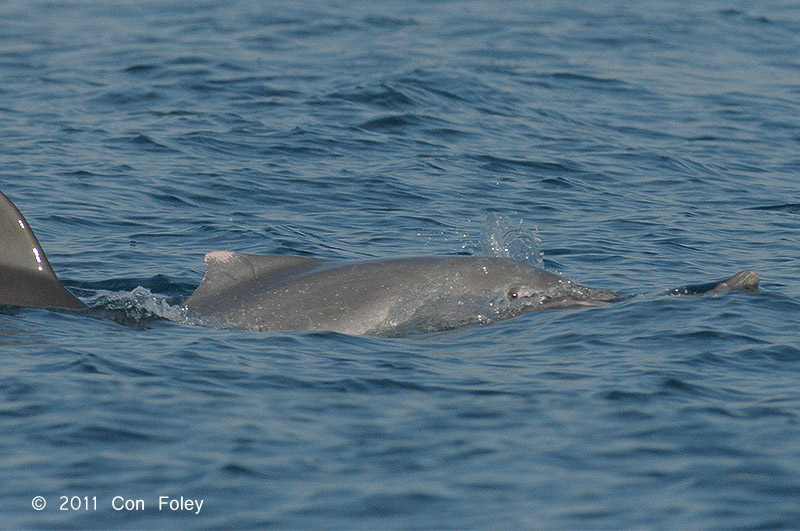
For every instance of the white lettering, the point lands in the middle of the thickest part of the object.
(118, 503)
(180, 504)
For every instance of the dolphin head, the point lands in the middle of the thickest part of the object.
(475, 290)
(524, 287)
(541, 290)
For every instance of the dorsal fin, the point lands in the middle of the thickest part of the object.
(225, 269)
(26, 277)
(746, 280)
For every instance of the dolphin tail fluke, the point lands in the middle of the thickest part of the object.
(746, 280)
(26, 277)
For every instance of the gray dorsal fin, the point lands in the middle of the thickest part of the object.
(26, 278)
(746, 280)
(225, 269)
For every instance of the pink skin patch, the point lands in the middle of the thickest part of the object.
(219, 256)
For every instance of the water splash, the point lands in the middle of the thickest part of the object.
(140, 308)
(503, 238)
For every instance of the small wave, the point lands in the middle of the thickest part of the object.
(384, 96)
(789, 208)
(393, 123)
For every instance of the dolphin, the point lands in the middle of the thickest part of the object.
(376, 297)
(26, 277)
(746, 280)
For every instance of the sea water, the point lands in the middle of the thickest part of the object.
(644, 144)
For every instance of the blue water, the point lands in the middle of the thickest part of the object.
(650, 143)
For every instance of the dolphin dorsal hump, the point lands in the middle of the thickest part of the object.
(227, 269)
(26, 277)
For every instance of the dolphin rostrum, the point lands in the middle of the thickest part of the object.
(384, 296)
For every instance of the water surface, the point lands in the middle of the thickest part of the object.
(651, 144)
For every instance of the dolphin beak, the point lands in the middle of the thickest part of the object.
(577, 297)
(596, 298)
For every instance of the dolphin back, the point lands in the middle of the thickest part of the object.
(746, 280)
(26, 277)
(232, 278)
